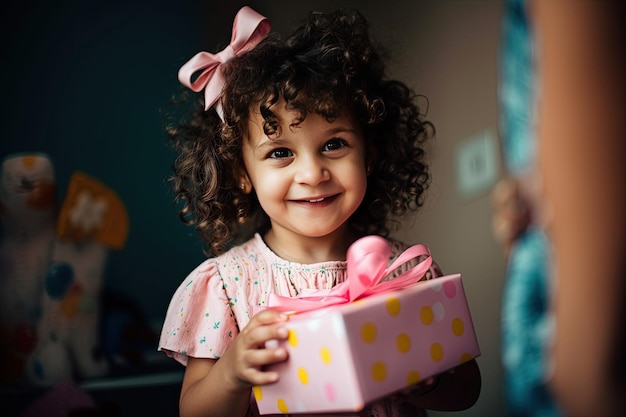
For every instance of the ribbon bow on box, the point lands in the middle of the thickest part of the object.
(367, 266)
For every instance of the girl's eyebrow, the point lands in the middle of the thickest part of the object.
(341, 129)
(273, 143)
(269, 144)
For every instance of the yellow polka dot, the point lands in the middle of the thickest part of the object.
(303, 376)
(466, 357)
(258, 392)
(368, 332)
(426, 315)
(403, 342)
(325, 354)
(457, 326)
(393, 306)
(436, 352)
(412, 378)
(379, 372)
(282, 406)
(293, 338)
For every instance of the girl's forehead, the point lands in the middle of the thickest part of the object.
(286, 114)
(290, 122)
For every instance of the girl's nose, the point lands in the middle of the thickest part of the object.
(311, 171)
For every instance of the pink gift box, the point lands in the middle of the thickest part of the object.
(343, 357)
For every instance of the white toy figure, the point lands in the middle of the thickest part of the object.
(91, 221)
(27, 234)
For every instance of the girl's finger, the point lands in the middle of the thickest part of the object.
(257, 336)
(260, 357)
(269, 316)
(257, 377)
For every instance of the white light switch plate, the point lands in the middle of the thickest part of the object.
(477, 164)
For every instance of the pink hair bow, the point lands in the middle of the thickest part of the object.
(249, 28)
(367, 266)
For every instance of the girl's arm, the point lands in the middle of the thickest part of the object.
(206, 387)
(222, 387)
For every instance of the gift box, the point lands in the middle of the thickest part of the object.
(342, 357)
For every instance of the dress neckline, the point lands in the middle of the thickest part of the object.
(278, 260)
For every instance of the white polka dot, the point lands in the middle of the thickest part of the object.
(337, 325)
(439, 311)
(298, 406)
(313, 324)
(436, 285)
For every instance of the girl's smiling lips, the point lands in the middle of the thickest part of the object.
(316, 200)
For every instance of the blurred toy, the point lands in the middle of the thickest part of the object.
(52, 264)
(92, 220)
(28, 219)
(65, 399)
(128, 339)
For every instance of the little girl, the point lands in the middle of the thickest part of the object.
(299, 147)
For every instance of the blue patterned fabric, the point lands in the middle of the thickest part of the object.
(525, 320)
(526, 327)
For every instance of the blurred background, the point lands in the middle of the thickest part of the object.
(84, 83)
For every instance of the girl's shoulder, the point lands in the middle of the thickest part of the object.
(398, 247)
(252, 251)
(236, 256)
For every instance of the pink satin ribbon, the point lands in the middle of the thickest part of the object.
(249, 28)
(367, 266)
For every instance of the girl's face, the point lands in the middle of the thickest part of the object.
(311, 178)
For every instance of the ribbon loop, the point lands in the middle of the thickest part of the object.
(249, 28)
(367, 259)
(367, 267)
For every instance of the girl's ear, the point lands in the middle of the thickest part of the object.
(370, 160)
(245, 185)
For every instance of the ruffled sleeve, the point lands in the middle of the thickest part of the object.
(199, 322)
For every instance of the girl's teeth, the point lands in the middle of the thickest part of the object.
(316, 201)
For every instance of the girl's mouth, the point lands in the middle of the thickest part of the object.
(318, 201)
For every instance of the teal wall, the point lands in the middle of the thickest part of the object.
(84, 81)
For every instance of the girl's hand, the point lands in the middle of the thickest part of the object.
(250, 351)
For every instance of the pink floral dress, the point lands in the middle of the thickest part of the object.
(218, 298)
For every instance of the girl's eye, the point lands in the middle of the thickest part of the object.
(334, 144)
(280, 153)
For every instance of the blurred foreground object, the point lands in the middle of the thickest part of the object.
(582, 156)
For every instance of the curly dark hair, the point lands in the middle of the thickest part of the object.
(328, 64)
